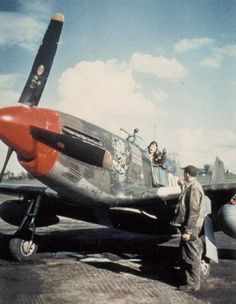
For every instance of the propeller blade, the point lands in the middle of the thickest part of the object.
(42, 64)
(70, 146)
(9, 153)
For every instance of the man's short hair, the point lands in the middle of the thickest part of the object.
(191, 170)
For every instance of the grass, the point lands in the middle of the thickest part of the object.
(229, 178)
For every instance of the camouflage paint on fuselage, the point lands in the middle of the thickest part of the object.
(122, 176)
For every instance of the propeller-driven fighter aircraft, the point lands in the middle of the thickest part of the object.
(89, 173)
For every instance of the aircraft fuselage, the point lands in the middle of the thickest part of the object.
(77, 159)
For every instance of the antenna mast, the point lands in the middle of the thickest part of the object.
(155, 126)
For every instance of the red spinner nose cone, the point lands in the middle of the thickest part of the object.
(15, 132)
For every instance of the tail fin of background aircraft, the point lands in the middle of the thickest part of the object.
(218, 174)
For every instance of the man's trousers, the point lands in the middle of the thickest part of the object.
(191, 261)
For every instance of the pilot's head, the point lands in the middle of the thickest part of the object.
(152, 148)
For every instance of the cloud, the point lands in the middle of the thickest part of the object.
(213, 62)
(192, 44)
(106, 94)
(160, 95)
(218, 56)
(7, 80)
(7, 95)
(203, 145)
(161, 67)
(227, 50)
(36, 8)
(20, 30)
(218, 53)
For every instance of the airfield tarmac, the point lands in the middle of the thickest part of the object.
(79, 262)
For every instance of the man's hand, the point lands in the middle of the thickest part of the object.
(185, 237)
(180, 183)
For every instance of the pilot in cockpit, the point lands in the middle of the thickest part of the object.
(156, 156)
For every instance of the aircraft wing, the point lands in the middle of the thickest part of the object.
(220, 192)
(14, 207)
(18, 189)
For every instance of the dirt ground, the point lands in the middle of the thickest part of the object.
(83, 263)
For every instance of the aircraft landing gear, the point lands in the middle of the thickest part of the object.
(22, 250)
(205, 269)
(22, 246)
(205, 262)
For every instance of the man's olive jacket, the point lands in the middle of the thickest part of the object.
(190, 211)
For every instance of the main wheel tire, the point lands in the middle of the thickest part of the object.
(22, 250)
(205, 269)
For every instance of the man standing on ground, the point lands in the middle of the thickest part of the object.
(190, 216)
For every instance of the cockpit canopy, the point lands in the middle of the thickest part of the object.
(170, 164)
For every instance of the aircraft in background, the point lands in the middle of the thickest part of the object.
(89, 173)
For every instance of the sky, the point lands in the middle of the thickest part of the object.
(167, 68)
